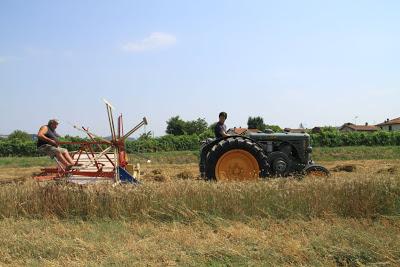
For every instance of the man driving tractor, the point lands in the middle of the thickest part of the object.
(220, 127)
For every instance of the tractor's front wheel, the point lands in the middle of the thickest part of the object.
(316, 170)
(236, 159)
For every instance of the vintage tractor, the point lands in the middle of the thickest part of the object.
(258, 154)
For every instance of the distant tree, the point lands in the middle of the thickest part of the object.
(70, 138)
(256, 123)
(175, 126)
(329, 129)
(301, 126)
(274, 128)
(198, 126)
(145, 136)
(20, 135)
(212, 126)
(207, 134)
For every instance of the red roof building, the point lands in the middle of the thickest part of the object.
(350, 127)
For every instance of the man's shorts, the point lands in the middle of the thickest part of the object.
(50, 150)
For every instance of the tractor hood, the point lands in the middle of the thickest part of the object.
(278, 136)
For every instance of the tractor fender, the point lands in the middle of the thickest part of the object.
(208, 146)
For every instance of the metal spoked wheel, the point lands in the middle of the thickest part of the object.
(316, 170)
(237, 165)
(236, 159)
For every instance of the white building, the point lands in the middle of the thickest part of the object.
(390, 125)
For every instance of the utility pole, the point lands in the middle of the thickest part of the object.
(355, 120)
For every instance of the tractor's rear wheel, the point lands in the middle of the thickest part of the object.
(236, 159)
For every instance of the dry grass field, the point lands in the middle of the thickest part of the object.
(351, 218)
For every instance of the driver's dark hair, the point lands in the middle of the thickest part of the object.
(223, 114)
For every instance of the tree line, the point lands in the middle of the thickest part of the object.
(177, 126)
(187, 135)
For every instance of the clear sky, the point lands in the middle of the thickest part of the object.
(291, 62)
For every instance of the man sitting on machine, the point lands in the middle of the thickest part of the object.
(48, 144)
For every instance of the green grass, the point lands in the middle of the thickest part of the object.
(356, 153)
(319, 154)
(14, 162)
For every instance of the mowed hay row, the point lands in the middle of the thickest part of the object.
(344, 195)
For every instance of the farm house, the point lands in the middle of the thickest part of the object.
(350, 127)
(390, 125)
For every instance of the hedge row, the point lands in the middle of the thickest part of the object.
(192, 142)
(17, 148)
(165, 143)
(337, 139)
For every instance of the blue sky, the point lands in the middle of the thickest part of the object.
(291, 62)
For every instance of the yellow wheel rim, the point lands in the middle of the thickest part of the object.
(237, 165)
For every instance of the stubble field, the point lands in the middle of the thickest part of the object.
(351, 218)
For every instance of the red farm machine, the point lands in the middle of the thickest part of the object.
(98, 159)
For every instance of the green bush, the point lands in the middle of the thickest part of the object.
(20, 135)
(337, 139)
(164, 143)
(17, 147)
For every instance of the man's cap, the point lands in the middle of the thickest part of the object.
(53, 121)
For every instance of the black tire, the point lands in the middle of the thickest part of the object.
(280, 164)
(231, 143)
(317, 170)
